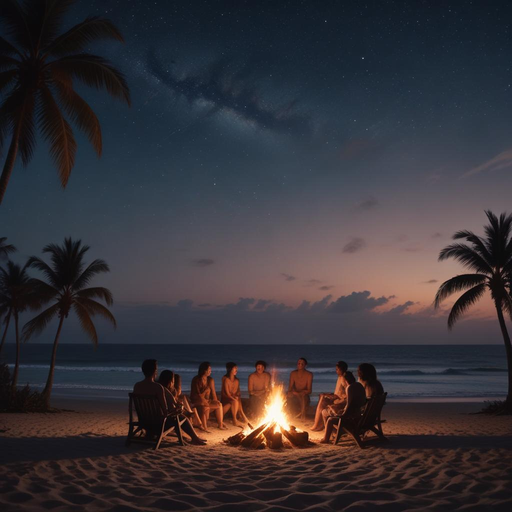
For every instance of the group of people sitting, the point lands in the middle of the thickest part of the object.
(347, 400)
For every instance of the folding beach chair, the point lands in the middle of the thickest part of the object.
(151, 426)
(370, 421)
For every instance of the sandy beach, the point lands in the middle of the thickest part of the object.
(440, 457)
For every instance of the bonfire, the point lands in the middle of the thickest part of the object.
(274, 429)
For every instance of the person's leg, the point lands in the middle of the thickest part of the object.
(235, 406)
(204, 413)
(329, 426)
(187, 427)
(241, 409)
(219, 414)
(319, 421)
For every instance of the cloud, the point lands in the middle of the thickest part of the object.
(357, 301)
(431, 281)
(355, 245)
(400, 309)
(261, 304)
(204, 305)
(288, 277)
(242, 304)
(501, 161)
(437, 235)
(369, 203)
(227, 87)
(204, 262)
(321, 305)
(326, 288)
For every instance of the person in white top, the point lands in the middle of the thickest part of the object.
(336, 399)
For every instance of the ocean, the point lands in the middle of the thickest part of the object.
(408, 372)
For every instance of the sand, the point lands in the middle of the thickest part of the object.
(440, 457)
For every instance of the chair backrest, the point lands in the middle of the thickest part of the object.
(371, 412)
(147, 408)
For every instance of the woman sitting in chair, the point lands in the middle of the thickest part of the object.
(204, 397)
(356, 399)
(166, 379)
(368, 378)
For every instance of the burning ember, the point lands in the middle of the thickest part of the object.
(272, 428)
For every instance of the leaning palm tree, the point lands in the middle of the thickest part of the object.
(14, 299)
(5, 249)
(38, 68)
(67, 278)
(490, 258)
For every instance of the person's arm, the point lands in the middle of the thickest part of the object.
(250, 384)
(160, 393)
(350, 399)
(225, 389)
(309, 385)
(291, 385)
(213, 394)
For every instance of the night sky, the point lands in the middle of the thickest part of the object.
(288, 171)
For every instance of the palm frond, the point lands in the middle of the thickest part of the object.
(13, 18)
(7, 79)
(93, 71)
(40, 293)
(95, 308)
(79, 37)
(57, 131)
(42, 266)
(45, 18)
(7, 48)
(457, 284)
(478, 244)
(85, 322)
(6, 249)
(465, 301)
(38, 324)
(8, 63)
(498, 235)
(465, 255)
(80, 113)
(96, 267)
(97, 293)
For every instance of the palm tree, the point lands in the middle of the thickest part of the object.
(14, 299)
(5, 250)
(490, 258)
(67, 278)
(37, 73)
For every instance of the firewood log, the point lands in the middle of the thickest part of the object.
(246, 443)
(296, 438)
(236, 439)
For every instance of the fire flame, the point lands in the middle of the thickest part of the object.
(274, 409)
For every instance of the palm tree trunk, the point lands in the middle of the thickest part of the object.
(9, 161)
(508, 349)
(5, 330)
(47, 391)
(17, 363)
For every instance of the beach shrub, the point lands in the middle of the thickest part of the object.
(18, 399)
(497, 408)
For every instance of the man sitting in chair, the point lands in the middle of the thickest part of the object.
(148, 386)
(356, 399)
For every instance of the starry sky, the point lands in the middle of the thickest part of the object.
(288, 171)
